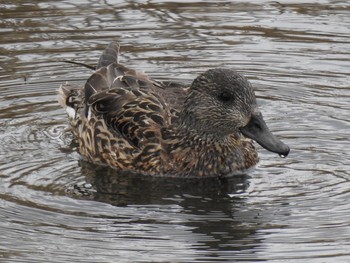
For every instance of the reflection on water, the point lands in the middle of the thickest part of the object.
(56, 208)
(122, 188)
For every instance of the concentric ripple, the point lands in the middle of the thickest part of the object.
(56, 208)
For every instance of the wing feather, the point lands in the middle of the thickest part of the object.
(136, 114)
(131, 104)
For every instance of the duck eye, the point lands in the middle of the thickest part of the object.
(225, 96)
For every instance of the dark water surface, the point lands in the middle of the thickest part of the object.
(54, 208)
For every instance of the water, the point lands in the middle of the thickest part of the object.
(55, 208)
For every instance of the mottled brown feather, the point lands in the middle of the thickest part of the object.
(126, 120)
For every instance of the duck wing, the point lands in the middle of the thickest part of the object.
(129, 102)
(128, 105)
(174, 93)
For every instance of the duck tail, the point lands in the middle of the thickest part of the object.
(69, 98)
(109, 55)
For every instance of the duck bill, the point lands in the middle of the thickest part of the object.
(257, 130)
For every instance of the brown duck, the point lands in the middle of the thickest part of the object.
(124, 119)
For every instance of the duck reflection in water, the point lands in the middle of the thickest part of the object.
(211, 213)
(105, 184)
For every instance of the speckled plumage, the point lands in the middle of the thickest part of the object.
(126, 120)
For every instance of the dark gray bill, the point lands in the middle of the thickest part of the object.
(257, 130)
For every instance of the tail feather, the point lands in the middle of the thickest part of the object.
(69, 98)
(109, 55)
(63, 93)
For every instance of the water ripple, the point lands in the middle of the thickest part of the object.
(56, 208)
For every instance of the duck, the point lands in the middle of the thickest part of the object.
(124, 119)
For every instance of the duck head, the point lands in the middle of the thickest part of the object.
(222, 102)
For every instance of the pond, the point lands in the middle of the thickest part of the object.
(56, 208)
